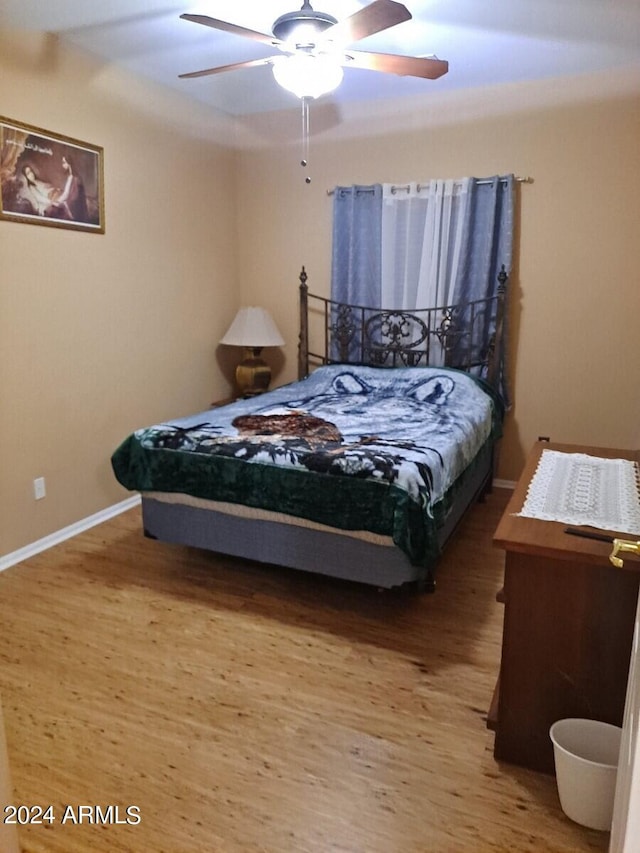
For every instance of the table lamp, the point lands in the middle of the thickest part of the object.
(253, 328)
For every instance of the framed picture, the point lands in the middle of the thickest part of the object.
(48, 179)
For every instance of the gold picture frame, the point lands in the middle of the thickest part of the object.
(50, 179)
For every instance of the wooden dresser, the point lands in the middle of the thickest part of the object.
(568, 627)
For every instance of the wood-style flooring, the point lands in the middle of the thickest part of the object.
(243, 708)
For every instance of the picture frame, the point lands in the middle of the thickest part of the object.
(50, 179)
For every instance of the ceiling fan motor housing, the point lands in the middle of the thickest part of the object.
(286, 24)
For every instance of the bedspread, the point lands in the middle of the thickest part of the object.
(359, 448)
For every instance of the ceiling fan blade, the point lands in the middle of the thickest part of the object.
(390, 63)
(251, 63)
(377, 16)
(226, 27)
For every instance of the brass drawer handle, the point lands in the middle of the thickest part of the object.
(623, 545)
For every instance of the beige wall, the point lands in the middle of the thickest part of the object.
(575, 303)
(100, 334)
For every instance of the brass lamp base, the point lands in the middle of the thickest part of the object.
(253, 374)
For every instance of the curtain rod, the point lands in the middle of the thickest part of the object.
(406, 187)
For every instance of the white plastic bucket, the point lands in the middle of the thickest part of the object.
(586, 758)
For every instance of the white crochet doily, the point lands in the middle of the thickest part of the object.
(585, 490)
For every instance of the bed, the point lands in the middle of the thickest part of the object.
(361, 469)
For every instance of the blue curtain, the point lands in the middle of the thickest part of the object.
(487, 248)
(487, 237)
(357, 245)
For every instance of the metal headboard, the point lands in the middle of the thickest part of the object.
(468, 336)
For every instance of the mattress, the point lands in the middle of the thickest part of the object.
(361, 450)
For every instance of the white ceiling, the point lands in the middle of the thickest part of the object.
(486, 42)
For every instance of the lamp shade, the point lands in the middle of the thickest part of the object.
(253, 327)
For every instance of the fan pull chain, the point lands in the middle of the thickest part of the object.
(305, 136)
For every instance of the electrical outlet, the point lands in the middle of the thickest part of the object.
(39, 490)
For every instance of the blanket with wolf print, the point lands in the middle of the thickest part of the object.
(354, 447)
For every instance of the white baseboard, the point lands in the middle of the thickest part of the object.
(67, 533)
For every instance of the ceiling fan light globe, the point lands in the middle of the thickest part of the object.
(306, 75)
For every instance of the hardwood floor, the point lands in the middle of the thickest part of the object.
(245, 708)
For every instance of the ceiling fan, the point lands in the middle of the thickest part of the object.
(313, 47)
